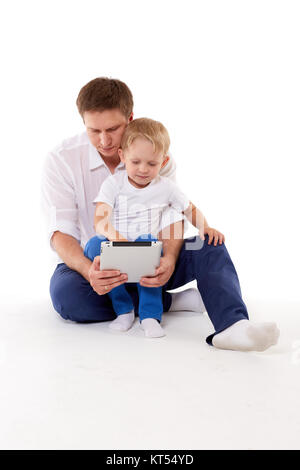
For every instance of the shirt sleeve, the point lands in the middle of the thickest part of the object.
(171, 216)
(58, 198)
(178, 200)
(108, 192)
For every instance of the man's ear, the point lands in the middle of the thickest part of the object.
(166, 159)
(121, 155)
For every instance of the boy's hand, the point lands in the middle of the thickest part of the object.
(162, 273)
(215, 235)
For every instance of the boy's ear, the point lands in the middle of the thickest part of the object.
(166, 159)
(130, 117)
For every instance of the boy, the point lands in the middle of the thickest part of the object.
(137, 200)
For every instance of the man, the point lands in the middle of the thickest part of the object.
(73, 174)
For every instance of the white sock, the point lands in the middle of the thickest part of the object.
(245, 335)
(152, 328)
(189, 299)
(123, 322)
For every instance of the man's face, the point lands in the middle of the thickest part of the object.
(105, 130)
(141, 162)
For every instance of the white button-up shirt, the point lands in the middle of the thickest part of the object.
(72, 176)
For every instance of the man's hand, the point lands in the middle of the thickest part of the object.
(104, 281)
(162, 273)
(215, 235)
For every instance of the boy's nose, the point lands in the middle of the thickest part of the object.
(143, 170)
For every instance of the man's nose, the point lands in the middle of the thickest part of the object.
(105, 139)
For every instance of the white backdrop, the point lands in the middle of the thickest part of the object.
(223, 76)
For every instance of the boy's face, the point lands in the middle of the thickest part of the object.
(142, 164)
(105, 130)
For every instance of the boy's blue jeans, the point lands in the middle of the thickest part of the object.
(150, 298)
(74, 298)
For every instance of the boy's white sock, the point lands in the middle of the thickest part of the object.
(152, 328)
(245, 335)
(123, 322)
(189, 299)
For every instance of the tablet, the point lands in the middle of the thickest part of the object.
(136, 259)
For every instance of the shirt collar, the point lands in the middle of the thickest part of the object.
(95, 159)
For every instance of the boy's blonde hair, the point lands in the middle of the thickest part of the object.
(152, 130)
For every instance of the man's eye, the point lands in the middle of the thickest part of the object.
(152, 164)
(135, 163)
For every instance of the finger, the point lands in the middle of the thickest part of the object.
(150, 282)
(152, 285)
(96, 263)
(158, 271)
(222, 239)
(108, 273)
(117, 283)
(108, 281)
(112, 286)
(216, 239)
(147, 280)
(100, 283)
(211, 236)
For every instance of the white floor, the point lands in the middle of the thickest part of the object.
(74, 386)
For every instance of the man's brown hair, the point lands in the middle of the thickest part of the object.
(104, 93)
(154, 131)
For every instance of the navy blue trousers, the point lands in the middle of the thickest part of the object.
(74, 298)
